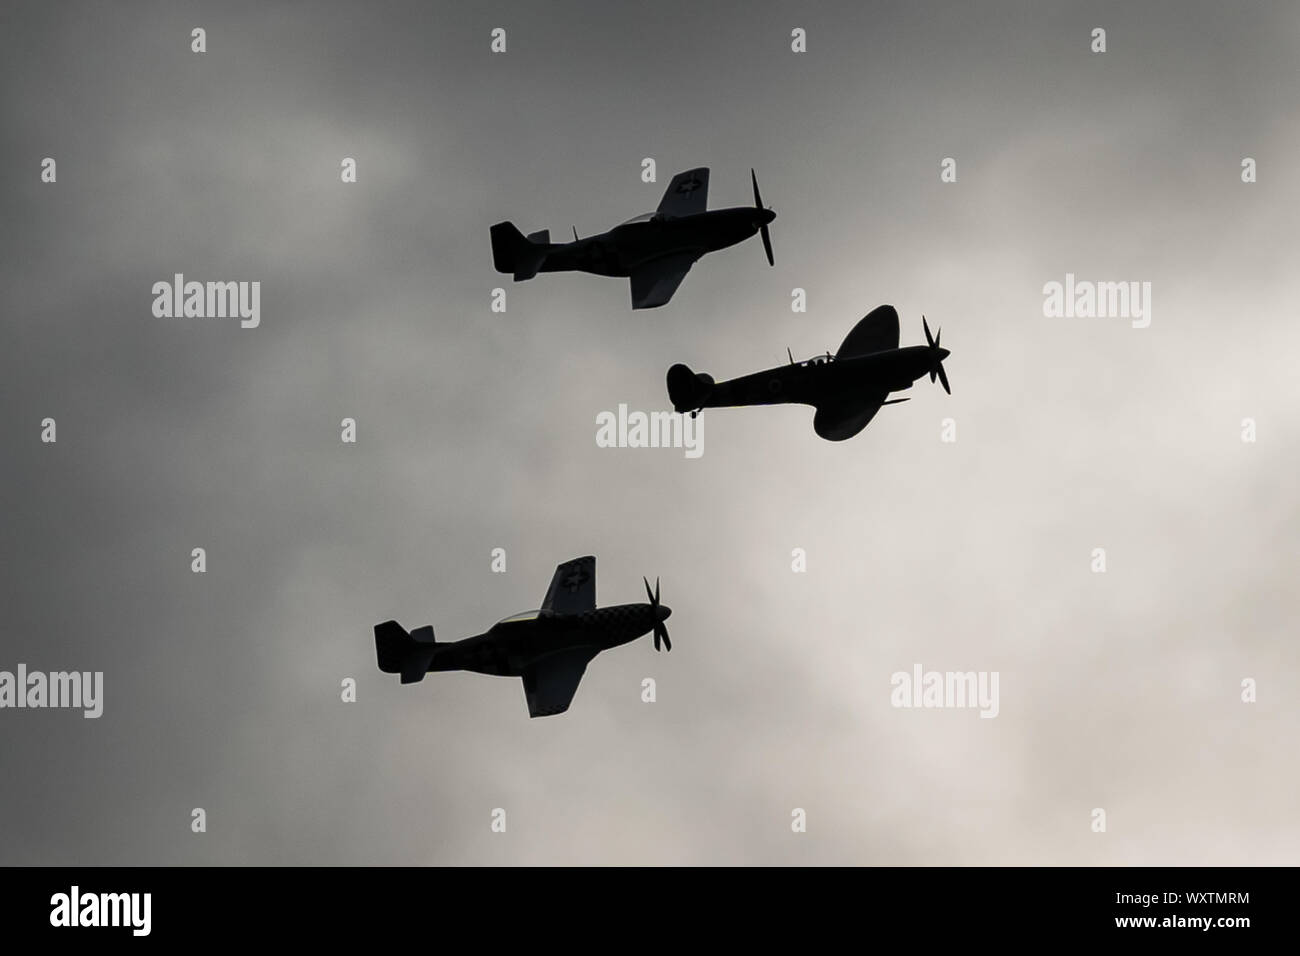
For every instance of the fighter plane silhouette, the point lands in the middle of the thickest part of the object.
(549, 648)
(654, 250)
(847, 390)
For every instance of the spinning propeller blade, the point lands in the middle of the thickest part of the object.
(937, 367)
(762, 230)
(661, 632)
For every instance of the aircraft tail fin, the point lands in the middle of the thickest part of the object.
(688, 390)
(514, 252)
(401, 653)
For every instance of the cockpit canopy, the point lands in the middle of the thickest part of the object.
(820, 359)
(521, 616)
(644, 217)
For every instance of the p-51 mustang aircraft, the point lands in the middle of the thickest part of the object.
(847, 390)
(549, 648)
(655, 250)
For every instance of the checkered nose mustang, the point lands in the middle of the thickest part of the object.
(549, 648)
(654, 251)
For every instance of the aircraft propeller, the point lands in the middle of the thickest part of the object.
(660, 630)
(767, 236)
(933, 342)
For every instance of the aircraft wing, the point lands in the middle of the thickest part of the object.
(836, 421)
(550, 683)
(573, 588)
(687, 194)
(877, 331)
(654, 283)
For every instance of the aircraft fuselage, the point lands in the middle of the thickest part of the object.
(623, 249)
(513, 644)
(816, 382)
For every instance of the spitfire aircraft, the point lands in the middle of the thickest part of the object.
(655, 250)
(549, 648)
(847, 389)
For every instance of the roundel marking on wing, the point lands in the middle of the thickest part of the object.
(575, 579)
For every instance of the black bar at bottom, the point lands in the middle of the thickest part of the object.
(557, 907)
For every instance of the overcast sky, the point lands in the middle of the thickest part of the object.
(477, 430)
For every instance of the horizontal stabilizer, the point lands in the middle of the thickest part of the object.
(401, 653)
(688, 390)
(512, 252)
(542, 236)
